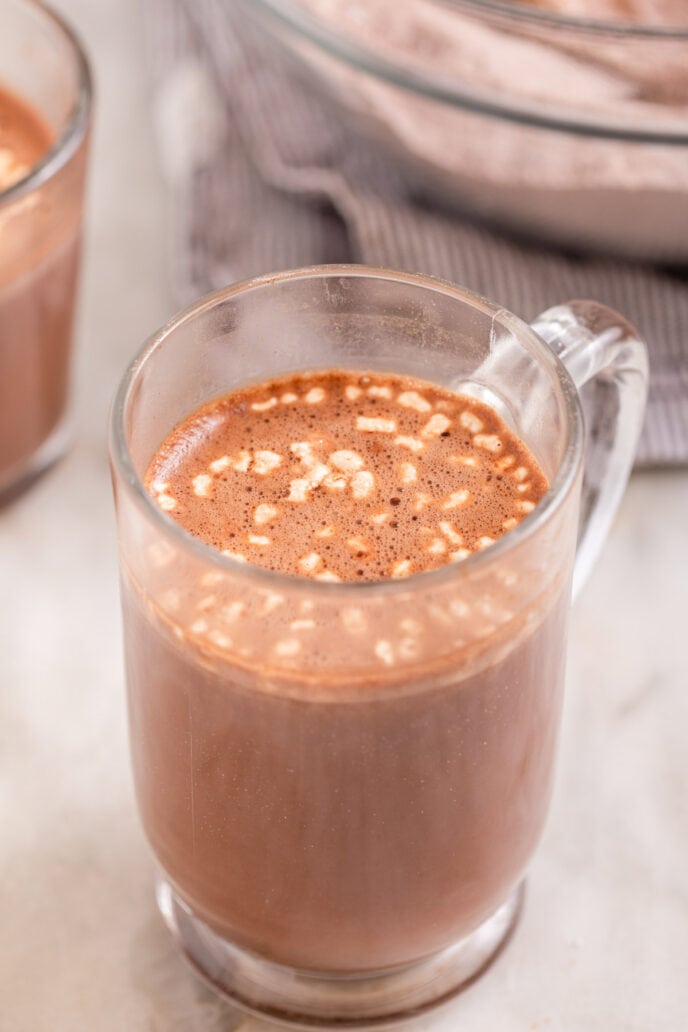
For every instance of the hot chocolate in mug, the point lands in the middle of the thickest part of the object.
(342, 827)
(45, 119)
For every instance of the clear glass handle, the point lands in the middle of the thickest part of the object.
(608, 363)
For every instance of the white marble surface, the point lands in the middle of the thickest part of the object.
(603, 944)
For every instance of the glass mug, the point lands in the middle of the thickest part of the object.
(44, 66)
(342, 827)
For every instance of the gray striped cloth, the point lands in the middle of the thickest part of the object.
(262, 178)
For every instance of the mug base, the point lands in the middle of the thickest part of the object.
(20, 477)
(308, 1000)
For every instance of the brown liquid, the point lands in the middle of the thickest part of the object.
(38, 269)
(24, 138)
(346, 476)
(363, 812)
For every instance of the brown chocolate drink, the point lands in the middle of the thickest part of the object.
(340, 786)
(39, 231)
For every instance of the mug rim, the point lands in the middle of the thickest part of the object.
(77, 122)
(123, 465)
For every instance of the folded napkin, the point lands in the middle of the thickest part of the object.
(262, 178)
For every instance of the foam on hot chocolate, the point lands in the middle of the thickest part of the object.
(346, 476)
(24, 138)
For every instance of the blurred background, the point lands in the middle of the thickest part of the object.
(533, 157)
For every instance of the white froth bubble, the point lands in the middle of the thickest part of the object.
(509, 523)
(352, 393)
(378, 518)
(436, 547)
(440, 615)
(470, 421)
(317, 473)
(166, 502)
(270, 601)
(218, 465)
(525, 506)
(408, 649)
(345, 460)
(509, 578)
(231, 612)
(202, 484)
(353, 619)
(450, 532)
(171, 600)
(263, 406)
(309, 562)
(493, 611)
(379, 392)
(260, 540)
(265, 461)
(408, 473)
(302, 625)
(520, 473)
(298, 490)
(436, 425)
(211, 578)
(335, 482)
(264, 512)
(242, 463)
(238, 557)
(314, 396)
(161, 554)
(459, 555)
(304, 451)
(206, 603)
(288, 398)
(484, 542)
(457, 499)
(327, 575)
(522, 488)
(402, 568)
(504, 463)
(422, 501)
(375, 425)
(287, 647)
(463, 460)
(358, 544)
(12, 167)
(326, 532)
(220, 639)
(160, 486)
(460, 609)
(362, 484)
(488, 442)
(198, 627)
(307, 605)
(411, 626)
(414, 400)
(383, 650)
(412, 443)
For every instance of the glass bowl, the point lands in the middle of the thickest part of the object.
(565, 130)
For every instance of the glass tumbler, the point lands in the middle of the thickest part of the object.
(44, 67)
(342, 817)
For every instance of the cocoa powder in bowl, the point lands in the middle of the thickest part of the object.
(571, 180)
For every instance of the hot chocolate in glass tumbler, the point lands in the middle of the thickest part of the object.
(348, 511)
(45, 110)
